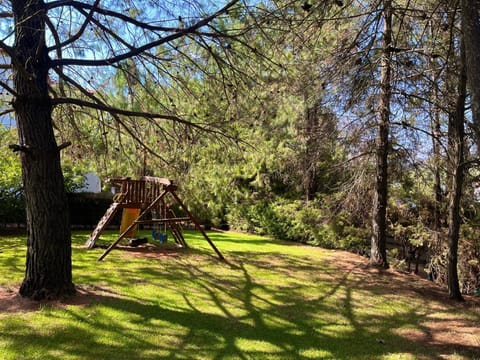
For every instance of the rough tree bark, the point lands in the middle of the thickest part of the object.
(456, 148)
(379, 217)
(437, 158)
(471, 36)
(437, 183)
(48, 271)
(309, 132)
(436, 129)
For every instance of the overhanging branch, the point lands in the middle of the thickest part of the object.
(114, 115)
(113, 110)
(7, 111)
(8, 88)
(138, 50)
(6, 49)
(84, 6)
(79, 33)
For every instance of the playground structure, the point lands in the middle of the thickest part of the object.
(147, 200)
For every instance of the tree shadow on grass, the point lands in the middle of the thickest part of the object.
(282, 319)
(260, 306)
(283, 324)
(278, 313)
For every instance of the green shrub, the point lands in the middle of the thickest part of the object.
(468, 260)
(12, 207)
(301, 222)
(87, 209)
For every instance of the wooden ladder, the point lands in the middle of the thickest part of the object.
(101, 224)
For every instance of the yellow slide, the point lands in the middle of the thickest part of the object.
(128, 217)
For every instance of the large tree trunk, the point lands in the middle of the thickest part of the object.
(311, 150)
(48, 265)
(437, 156)
(471, 37)
(436, 243)
(456, 144)
(437, 184)
(379, 217)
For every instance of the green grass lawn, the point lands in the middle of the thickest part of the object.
(270, 300)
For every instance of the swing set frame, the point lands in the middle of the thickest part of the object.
(148, 194)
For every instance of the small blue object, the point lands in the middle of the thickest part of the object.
(161, 237)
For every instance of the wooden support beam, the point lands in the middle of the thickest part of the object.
(165, 220)
(176, 231)
(197, 225)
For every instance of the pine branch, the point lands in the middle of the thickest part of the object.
(80, 31)
(141, 49)
(114, 110)
(125, 18)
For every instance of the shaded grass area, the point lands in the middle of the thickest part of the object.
(270, 300)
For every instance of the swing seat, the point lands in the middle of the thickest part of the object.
(160, 237)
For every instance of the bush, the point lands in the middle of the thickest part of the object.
(86, 209)
(258, 217)
(12, 207)
(468, 261)
(301, 222)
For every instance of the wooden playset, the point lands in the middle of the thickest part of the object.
(145, 202)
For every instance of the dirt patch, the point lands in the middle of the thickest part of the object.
(152, 251)
(408, 284)
(451, 336)
(12, 302)
(435, 331)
